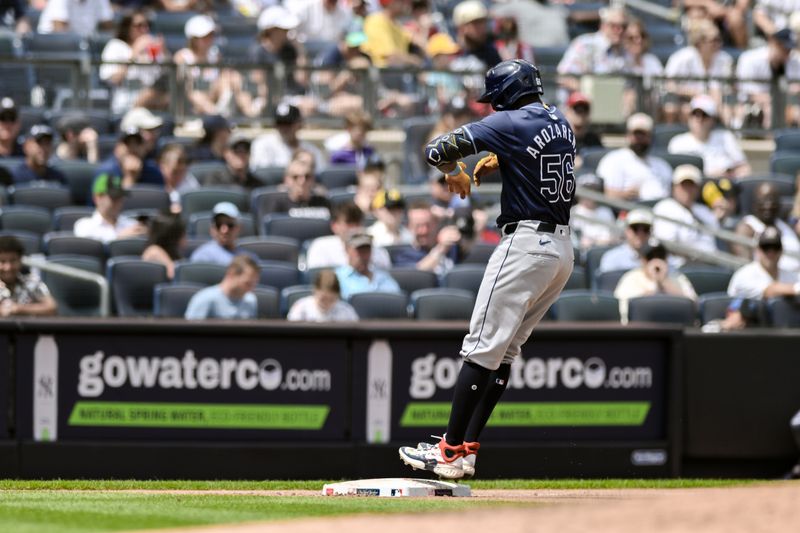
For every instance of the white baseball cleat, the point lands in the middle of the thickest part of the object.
(442, 459)
(471, 451)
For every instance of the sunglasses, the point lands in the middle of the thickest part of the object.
(8, 117)
(640, 228)
(699, 114)
(226, 223)
(772, 248)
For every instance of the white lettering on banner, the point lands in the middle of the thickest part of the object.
(140, 372)
(45, 389)
(430, 373)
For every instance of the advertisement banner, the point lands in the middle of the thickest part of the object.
(182, 386)
(559, 389)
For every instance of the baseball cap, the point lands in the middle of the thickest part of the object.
(354, 39)
(277, 17)
(38, 131)
(391, 199)
(590, 181)
(441, 43)
(130, 131)
(639, 216)
(8, 108)
(785, 37)
(199, 26)
(76, 121)
(109, 184)
(686, 173)
(715, 191)
(239, 138)
(214, 123)
(578, 98)
(771, 236)
(226, 208)
(653, 249)
(358, 239)
(374, 161)
(286, 114)
(142, 118)
(639, 121)
(704, 103)
(468, 11)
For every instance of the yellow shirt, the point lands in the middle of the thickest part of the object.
(384, 38)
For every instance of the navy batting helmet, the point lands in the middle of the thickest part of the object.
(510, 80)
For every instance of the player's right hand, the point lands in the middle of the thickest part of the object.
(485, 166)
(460, 183)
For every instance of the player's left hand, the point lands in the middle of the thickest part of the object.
(485, 166)
(460, 183)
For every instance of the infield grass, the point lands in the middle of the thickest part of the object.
(83, 506)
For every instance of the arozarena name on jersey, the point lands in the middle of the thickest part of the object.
(548, 134)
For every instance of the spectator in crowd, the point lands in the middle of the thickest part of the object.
(301, 200)
(21, 294)
(350, 147)
(173, 161)
(471, 19)
(592, 233)
(444, 202)
(275, 149)
(770, 16)
(631, 173)
(276, 45)
(216, 132)
(761, 279)
(596, 53)
(508, 43)
(166, 239)
(325, 304)
(142, 84)
(233, 297)
(13, 15)
(78, 139)
(339, 89)
(578, 112)
(388, 229)
(149, 126)
(131, 145)
(370, 184)
(329, 251)
(730, 18)
(387, 44)
(38, 147)
(131, 168)
(212, 90)
(83, 17)
(106, 224)
(684, 207)
(702, 58)
(224, 232)
(652, 277)
(237, 166)
(432, 249)
(720, 197)
(421, 24)
(321, 20)
(769, 62)
(638, 226)
(358, 276)
(765, 212)
(442, 50)
(540, 24)
(10, 126)
(722, 156)
(639, 61)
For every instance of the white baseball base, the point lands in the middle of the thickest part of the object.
(394, 487)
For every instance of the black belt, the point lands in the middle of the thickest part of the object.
(544, 227)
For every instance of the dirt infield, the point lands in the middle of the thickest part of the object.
(752, 509)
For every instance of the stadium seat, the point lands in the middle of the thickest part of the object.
(279, 274)
(133, 246)
(410, 279)
(192, 244)
(200, 223)
(784, 312)
(592, 260)
(198, 272)
(268, 302)
(132, 285)
(80, 176)
(26, 218)
(785, 163)
(707, 280)
(591, 158)
(586, 306)
(271, 248)
(65, 242)
(340, 196)
(713, 306)
(172, 299)
(380, 305)
(577, 279)
(338, 176)
(607, 281)
(16, 79)
(442, 304)
(40, 194)
(75, 297)
(298, 228)
(204, 199)
(98, 119)
(394, 251)
(31, 242)
(479, 254)
(290, 295)
(141, 197)
(270, 176)
(675, 160)
(203, 169)
(787, 140)
(416, 130)
(261, 196)
(662, 308)
(64, 218)
(663, 134)
(467, 277)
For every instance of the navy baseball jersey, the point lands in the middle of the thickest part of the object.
(535, 147)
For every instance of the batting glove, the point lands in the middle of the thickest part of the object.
(485, 166)
(458, 181)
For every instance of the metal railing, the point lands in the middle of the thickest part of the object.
(75, 274)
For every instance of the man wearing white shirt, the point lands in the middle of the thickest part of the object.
(722, 156)
(320, 20)
(630, 173)
(76, 16)
(763, 278)
(275, 149)
(703, 58)
(330, 251)
(683, 207)
(106, 224)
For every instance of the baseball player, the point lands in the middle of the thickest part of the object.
(533, 146)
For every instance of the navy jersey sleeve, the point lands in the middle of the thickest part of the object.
(494, 133)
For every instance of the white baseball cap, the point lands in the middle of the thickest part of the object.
(226, 208)
(639, 216)
(199, 26)
(277, 17)
(686, 173)
(639, 121)
(704, 103)
(468, 11)
(140, 118)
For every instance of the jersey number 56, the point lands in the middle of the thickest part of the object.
(558, 180)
